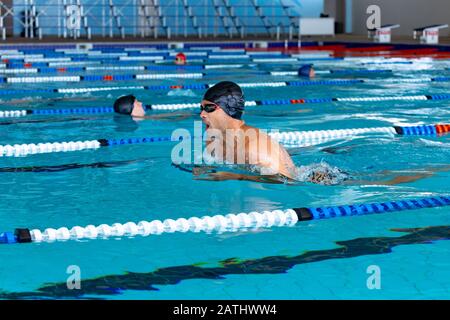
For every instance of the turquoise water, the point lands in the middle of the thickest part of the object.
(314, 260)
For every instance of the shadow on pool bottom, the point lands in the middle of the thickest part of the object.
(117, 284)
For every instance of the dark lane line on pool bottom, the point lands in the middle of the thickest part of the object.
(116, 284)
(70, 166)
(7, 123)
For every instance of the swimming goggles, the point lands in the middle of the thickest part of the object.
(211, 107)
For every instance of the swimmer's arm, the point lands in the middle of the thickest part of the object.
(223, 175)
(214, 175)
(195, 170)
(402, 178)
(391, 182)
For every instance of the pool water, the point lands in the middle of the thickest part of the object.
(325, 259)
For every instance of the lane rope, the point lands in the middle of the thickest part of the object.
(218, 223)
(122, 77)
(294, 137)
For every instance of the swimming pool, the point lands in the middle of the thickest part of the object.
(319, 259)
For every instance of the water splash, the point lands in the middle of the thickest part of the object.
(321, 173)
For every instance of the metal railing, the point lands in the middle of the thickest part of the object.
(147, 18)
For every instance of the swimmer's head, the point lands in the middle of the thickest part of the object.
(306, 70)
(221, 102)
(180, 58)
(129, 105)
(228, 96)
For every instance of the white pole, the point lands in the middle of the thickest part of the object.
(26, 18)
(299, 42)
(3, 29)
(31, 20)
(59, 18)
(111, 15)
(103, 19)
(64, 20)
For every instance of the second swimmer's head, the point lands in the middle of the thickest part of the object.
(129, 105)
(307, 71)
(180, 58)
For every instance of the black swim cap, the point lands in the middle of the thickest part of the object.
(229, 96)
(124, 104)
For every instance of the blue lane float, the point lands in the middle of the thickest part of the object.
(300, 138)
(387, 62)
(332, 71)
(180, 106)
(124, 77)
(16, 68)
(194, 86)
(218, 223)
(202, 86)
(358, 71)
(21, 150)
(160, 58)
(371, 208)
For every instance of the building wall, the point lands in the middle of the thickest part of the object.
(336, 9)
(410, 14)
(51, 19)
(306, 8)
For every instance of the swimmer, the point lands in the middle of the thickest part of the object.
(129, 105)
(232, 141)
(307, 71)
(324, 174)
(180, 59)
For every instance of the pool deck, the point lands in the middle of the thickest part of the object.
(348, 38)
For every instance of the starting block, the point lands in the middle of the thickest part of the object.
(429, 34)
(382, 34)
